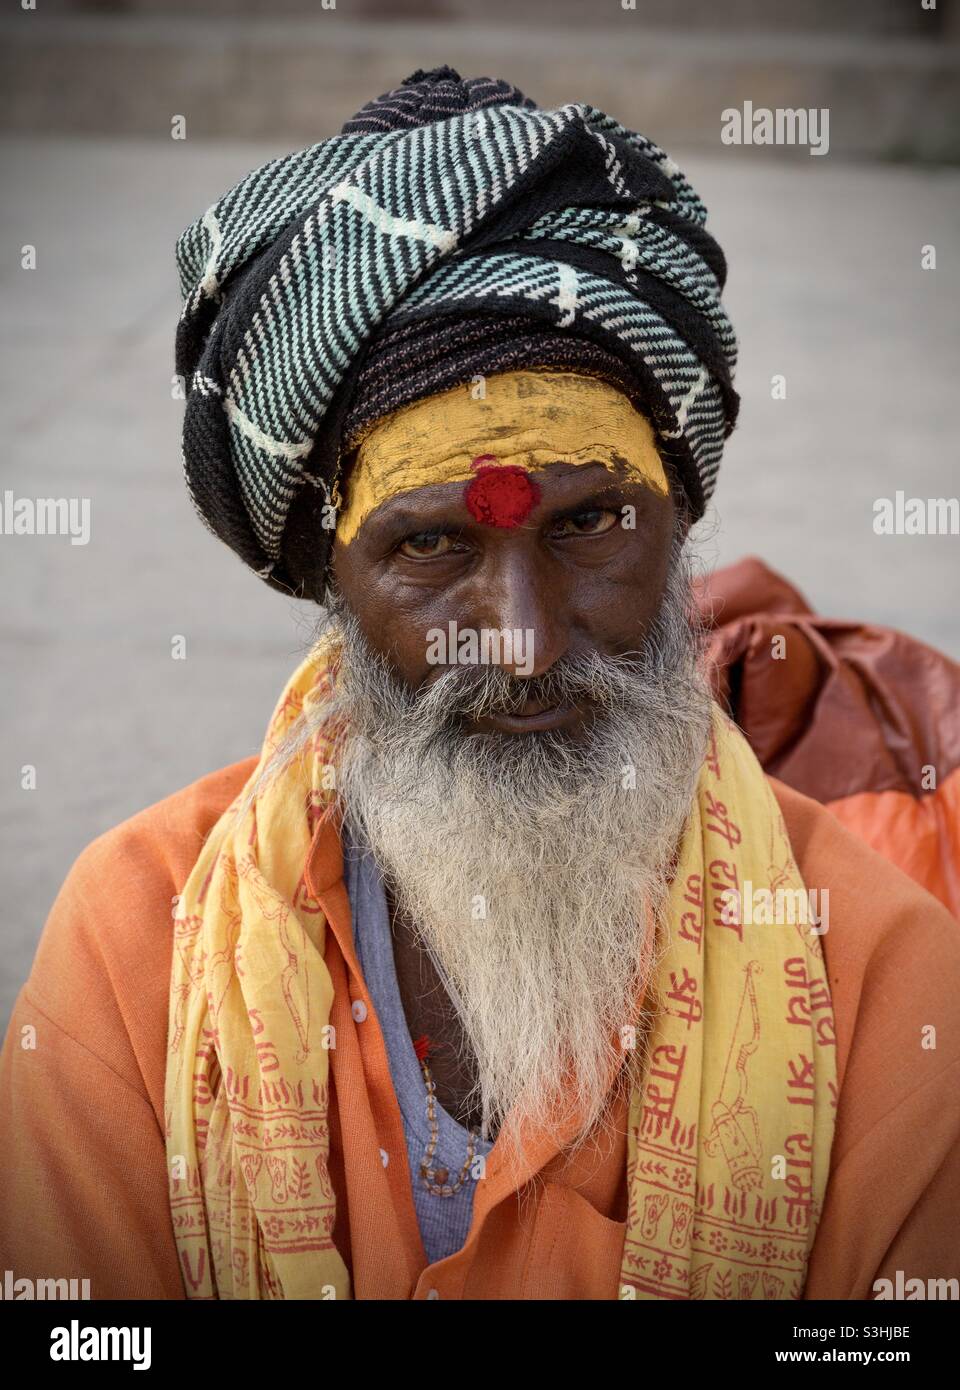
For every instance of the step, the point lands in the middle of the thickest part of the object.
(295, 81)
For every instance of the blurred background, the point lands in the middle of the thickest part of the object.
(826, 289)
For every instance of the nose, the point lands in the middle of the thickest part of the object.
(522, 597)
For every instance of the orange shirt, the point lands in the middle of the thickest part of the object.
(81, 1111)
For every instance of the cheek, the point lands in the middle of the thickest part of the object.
(620, 602)
(392, 620)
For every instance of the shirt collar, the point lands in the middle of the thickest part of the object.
(324, 866)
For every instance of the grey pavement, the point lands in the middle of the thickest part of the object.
(826, 288)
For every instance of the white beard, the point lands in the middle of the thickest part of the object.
(535, 867)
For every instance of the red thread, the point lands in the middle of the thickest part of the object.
(423, 1046)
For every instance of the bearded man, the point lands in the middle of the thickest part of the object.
(464, 995)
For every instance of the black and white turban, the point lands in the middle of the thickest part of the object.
(451, 228)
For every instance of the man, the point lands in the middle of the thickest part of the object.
(459, 990)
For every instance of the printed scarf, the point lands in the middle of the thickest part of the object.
(729, 1133)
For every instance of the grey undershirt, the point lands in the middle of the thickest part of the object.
(444, 1221)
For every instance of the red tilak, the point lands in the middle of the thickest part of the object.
(500, 496)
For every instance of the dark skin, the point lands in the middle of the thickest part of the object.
(571, 572)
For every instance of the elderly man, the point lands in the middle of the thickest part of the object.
(504, 971)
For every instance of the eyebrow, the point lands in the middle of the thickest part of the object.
(609, 495)
(402, 519)
(411, 521)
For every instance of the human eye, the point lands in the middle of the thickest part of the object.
(425, 545)
(592, 521)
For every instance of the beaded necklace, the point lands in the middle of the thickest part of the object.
(437, 1180)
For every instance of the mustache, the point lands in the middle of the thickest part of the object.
(602, 682)
(644, 684)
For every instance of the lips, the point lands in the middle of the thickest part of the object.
(536, 716)
(532, 707)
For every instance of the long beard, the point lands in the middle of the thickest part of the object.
(534, 867)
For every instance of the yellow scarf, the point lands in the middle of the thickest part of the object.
(730, 1133)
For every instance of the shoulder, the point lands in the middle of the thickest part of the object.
(164, 839)
(892, 953)
(146, 855)
(871, 899)
(101, 972)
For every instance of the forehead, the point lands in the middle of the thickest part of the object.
(510, 412)
(501, 447)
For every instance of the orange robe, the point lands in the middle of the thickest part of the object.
(84, 1189)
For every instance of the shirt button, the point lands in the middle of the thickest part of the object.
(359, 1010)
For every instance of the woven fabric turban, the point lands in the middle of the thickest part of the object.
(451, 229)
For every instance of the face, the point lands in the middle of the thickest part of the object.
(584, 571)
(460, 780)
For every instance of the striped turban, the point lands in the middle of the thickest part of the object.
(451, 229)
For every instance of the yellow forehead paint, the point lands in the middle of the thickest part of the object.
(526, 419)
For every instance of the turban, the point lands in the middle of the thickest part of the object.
(452, 229)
